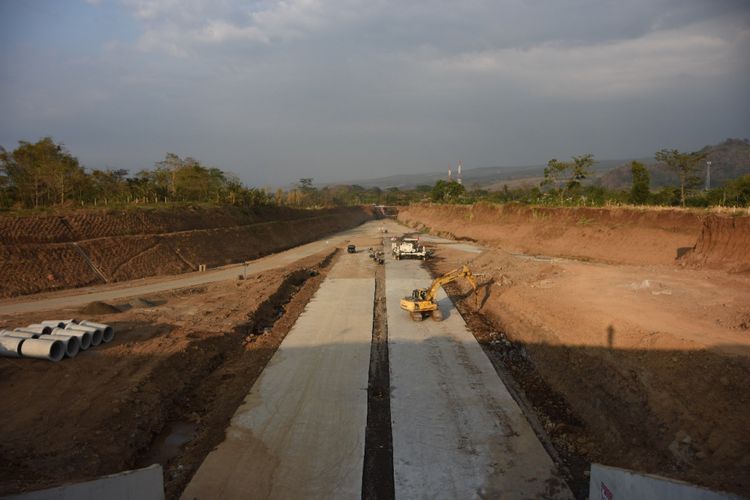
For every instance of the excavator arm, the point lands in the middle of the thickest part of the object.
(461, 272)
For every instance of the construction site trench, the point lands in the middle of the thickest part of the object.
(640, 363)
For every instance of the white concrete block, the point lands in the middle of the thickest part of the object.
(140, 484)
(612, 483)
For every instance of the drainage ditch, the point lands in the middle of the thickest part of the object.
(377, 475)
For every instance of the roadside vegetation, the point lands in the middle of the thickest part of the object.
(44, 176)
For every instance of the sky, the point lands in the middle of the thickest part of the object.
(339, 90)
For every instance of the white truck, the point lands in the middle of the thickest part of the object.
(409, 247)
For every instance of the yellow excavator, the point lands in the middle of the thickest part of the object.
(422, 301)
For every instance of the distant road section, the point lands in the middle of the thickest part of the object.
(117, 291)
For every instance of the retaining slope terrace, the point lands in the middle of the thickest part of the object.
(45, 253)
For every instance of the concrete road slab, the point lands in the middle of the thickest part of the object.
(300, 433)
(457, 432)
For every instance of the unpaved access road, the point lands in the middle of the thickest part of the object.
(300, 433)
(114, 292)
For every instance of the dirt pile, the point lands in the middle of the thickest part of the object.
(724, 243)
(44, 253)
(98, 307)
(624, 236)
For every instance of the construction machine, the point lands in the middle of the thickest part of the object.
(422, 301)
(409, 247)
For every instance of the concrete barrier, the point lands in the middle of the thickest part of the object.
(612, 483)
(140, 484)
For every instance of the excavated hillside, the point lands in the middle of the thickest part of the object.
(724, 243)
(610, 235)
(53, 252)
(622, 236)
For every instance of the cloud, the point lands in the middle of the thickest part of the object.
(620, 68)
(182, 28)
(376, 85)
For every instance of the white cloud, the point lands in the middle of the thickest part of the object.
(183, 27)
(628, 67)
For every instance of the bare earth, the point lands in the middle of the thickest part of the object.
(625, 336)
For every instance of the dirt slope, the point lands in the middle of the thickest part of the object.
(724, 243)
(625, 236)
(44, 253)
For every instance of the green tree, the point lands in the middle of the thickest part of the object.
(42, 173)
(567, 176)
(554, 174)
(444, 191)
(685, 165)
(737, 192)
(580, 170)
(640, 190)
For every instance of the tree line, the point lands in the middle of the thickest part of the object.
(45, 174)
(564, 184)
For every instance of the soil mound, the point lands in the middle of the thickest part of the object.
(724, 243)
(99, 307)
(141, 303)
(614, 235)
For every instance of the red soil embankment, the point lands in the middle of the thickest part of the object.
(44, 253)
(615, 235)
(724, 243)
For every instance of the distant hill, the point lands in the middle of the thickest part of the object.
(484, 177)
(729, 160)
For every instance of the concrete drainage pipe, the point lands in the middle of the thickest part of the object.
(72, 343)
(10, 347)
(107, 331)
(96, 334)
(21, 335)
(54, 324)
(84, 338)
(37, 328)
(50, 349)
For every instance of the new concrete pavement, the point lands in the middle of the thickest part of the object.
(457, 432)
(300, 433)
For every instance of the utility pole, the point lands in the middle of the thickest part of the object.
(708, 175)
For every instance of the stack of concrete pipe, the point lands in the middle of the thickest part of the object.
(54, 340)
